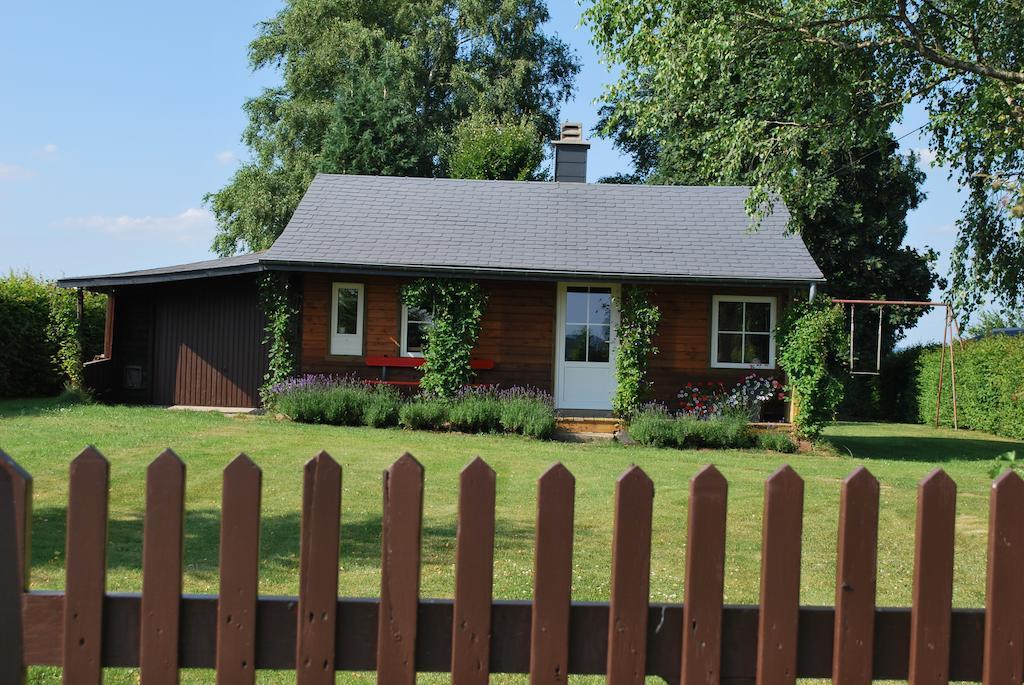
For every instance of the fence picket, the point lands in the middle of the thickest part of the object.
(12, 662)
(856, 563)
(552, 577)
(21, 487)
(318, 571)
(705, 578)
(780, 577)
(162, 544)
(631, 577)
(1004, 594)
(400, 572)
(474, 575)
(933, 580)
(239, 572)
(86, 565)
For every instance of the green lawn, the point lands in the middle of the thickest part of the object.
(43, 436)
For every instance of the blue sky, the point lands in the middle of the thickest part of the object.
(119, 116)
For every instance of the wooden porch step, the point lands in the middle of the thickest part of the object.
(588, 424)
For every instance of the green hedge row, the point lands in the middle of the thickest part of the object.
(989, 381)
(656, 428)
(38, 335)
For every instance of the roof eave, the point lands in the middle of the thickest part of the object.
(114, 280)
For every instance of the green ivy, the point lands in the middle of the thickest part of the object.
(812, 342)
(62, 329)
(638, 323)
(279, 334)
(457, 307)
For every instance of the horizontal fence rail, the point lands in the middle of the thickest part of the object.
(316, 634)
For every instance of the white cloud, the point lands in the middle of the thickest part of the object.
(13, 172)
(190, 225)
(49, 150)
(226, 157)
(942, 229)
(924, 155)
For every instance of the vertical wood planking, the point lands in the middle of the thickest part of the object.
(239, 572)
(782, 526)
(933, 580)
(552, 577)
(400, 572)
(631, 575)
(705, 578)
(12, 667)
(1003, 660)
(86, 564)
(318, 571)
(474, 575)
(853, 646)
(21, 487)
(162, 545)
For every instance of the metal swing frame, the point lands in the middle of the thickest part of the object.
(950, 333)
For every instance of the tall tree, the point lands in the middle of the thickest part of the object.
(483, 147)
(448, 58)
(812, 77)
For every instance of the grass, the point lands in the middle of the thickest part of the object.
(44, 435)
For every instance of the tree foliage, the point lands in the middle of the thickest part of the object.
(402, 74)
(485, 148)
(990, 319)
(456, 307)
(753, 89)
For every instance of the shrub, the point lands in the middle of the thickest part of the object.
(475, 413)
(381, 407)
(321, 399)
(530, 417)
(776, 441)
(812, 343)
(424, 414)
(654, 428)
(725, 432)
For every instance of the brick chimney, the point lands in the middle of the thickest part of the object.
(571, 154)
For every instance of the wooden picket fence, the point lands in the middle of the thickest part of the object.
(160, 631)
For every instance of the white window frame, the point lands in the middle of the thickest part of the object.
(347, 344)
(715, 300)
(405, 334)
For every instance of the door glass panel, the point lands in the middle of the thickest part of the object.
(598, 343)
(730, 316)
(348, 310)
(576, 305)
(756, 349)
(758, 317)
(575, 342)
(600, 306)
(730, 348)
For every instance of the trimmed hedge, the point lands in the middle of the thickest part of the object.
(39, 348)
(989, 383)
(656, 428)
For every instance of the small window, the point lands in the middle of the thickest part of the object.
(415, 322)
(742, 329)
(347, 319)
(588, 324)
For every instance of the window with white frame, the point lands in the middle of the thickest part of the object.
(415, 322)
(742, 332)
(347, 318)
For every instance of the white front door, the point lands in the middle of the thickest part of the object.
(585, 368)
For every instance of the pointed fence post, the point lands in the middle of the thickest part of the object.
(1004, 594)
(12, 667)
(21, 488)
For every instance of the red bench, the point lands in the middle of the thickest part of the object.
(386, 363)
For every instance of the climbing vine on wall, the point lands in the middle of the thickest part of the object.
(456, 307)
(279, 335)
(812, 342)
(638, 324)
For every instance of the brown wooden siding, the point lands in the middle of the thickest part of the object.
(208, 344)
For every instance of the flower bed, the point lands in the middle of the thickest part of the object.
(654, 426)
(709, 399)
(348, 401)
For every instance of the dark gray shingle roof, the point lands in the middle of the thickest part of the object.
(543, 228)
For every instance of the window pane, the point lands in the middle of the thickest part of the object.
(730, 348)
(730, 316)
(756, 349)
(576, 305)
(759, 316)
(600, 305)
(419, 315)
(348, 310)
(598, 343)
(416, 336)
(575, 343)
